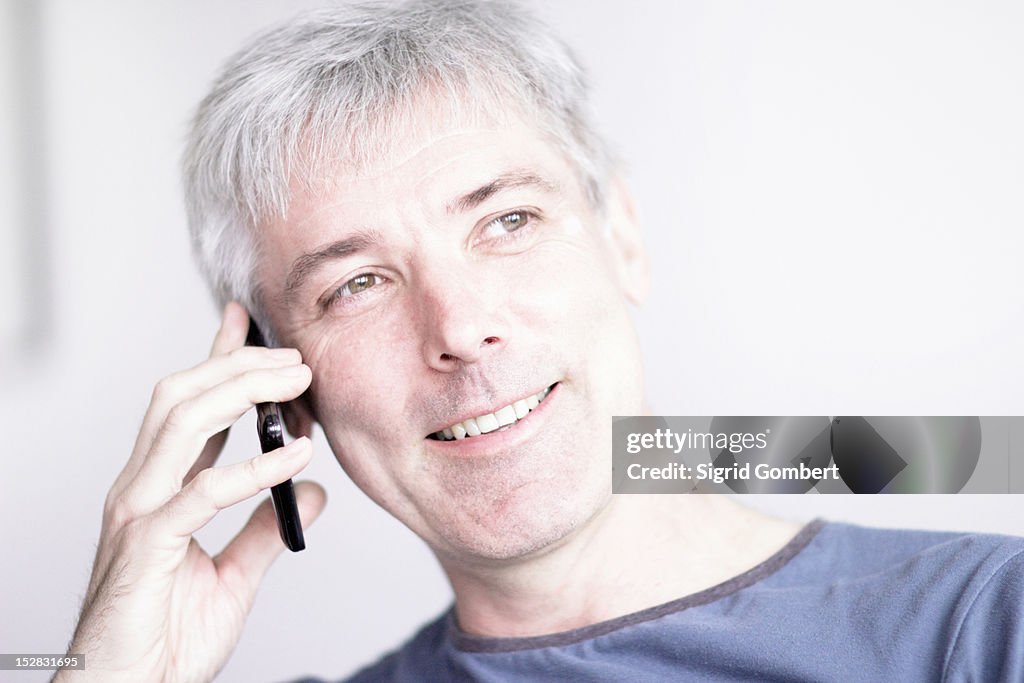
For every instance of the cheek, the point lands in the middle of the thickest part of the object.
(576, 304)
(358, 394)
(356, 387)
(567, 290)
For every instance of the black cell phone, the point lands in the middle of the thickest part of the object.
(270, 428)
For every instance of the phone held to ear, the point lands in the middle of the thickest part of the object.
(271, 431)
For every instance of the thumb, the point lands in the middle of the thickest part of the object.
(244, 562)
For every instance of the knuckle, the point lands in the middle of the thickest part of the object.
(178, 417)
(254, 468)
(204, 484)
(116, 512)
(167, 388)
(111, 501)
(132, 533)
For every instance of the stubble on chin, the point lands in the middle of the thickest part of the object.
(502, 509)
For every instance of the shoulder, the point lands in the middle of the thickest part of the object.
(852, 552)
(918, 601)
(954, 598)
(988, 631)
(929, 570)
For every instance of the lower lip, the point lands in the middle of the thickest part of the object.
(503, 438)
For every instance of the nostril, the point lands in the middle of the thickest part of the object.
(468, 356)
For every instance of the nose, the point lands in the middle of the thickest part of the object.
(460, 321)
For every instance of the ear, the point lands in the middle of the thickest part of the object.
(622, 230)
(298, 416)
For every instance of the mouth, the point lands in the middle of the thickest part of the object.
(500, 420)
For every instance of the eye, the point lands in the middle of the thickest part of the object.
(360, 283)
(355, 287)
(507, 224)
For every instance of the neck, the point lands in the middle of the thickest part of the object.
(638, 552)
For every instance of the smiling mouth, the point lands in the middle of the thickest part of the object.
(499, 419)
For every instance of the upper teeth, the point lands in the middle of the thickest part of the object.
(481, 424)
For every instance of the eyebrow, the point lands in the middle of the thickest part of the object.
(505, 181)
(304, 266)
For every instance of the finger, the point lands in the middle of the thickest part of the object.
(217, 488)
(180, 386)
(208, 458)
(232, 334)
(245, 561)
(185, 385)
(190, 424)
(234, 327)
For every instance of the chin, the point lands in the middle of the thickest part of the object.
(525, 523)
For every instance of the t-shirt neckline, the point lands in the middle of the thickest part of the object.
(469, 643)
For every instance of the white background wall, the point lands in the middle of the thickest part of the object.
(831, 191)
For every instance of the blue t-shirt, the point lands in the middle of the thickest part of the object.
(838, 603)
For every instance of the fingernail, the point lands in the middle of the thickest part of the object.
(283, 354)
(291, 371)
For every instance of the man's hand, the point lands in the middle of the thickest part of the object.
(158, 607)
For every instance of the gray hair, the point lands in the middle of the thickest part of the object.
(337, 85)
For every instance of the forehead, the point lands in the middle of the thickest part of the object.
(431, 164)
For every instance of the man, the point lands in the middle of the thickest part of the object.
(410, 201)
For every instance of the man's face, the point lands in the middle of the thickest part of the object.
(460, 275)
